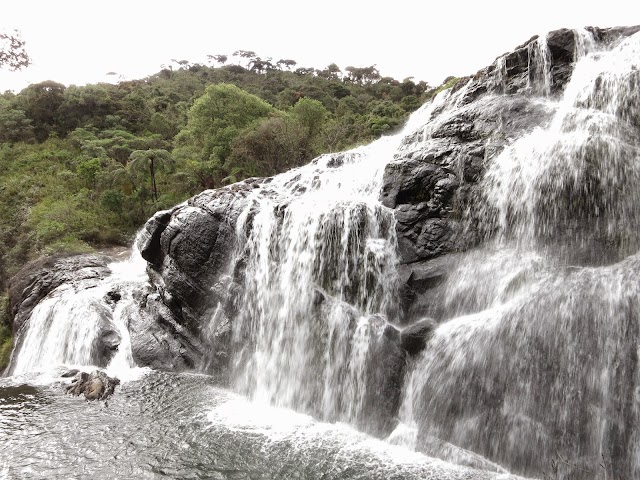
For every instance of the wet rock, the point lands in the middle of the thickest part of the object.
(189, 248)
(433, 184)
(415, 337)
(384, 379)
(96, 385)
(38, 278)
(158, 337)
(107, 340)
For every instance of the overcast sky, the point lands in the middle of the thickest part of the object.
(78, 42)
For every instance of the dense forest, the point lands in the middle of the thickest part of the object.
(83, 167)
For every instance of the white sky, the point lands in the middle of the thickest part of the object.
(79, 41)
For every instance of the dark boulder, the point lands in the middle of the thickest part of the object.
(96, 385)
(415, 337)
(158, 338)
(386, 363)
(423, 287)
(189, 248)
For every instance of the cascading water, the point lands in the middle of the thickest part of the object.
(537, 367)
(82, 323)
(320, 280)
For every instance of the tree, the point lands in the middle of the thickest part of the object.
(332, 72)
(40, 102)
(363, 75)
(259, 65)
(304, 71)
(287, 63)
(14, 124)
(271, 146)
(12, 52)
(216, 118)
(311, 115)
(221, 59)
(154, 159)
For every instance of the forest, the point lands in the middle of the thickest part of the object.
(83, 167)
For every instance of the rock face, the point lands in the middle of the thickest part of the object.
(414, 338)
(385, 371)
(39, 278)
(157, 339)
(96, 385)
(189, 249)
(432, 182)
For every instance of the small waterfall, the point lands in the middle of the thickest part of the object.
(574, 181)
(537, 368)
(320, 281)
(540, 75)
(83, 323)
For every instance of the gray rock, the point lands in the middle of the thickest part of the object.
(384, 379)
(432, 184)
(158, 338)
(96, 385)
(189, 249)
(415, 337)
(38, 278)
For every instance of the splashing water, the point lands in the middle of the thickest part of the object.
(79, 325)
(320, 280)
(539, 362)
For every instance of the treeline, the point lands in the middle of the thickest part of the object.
(82, 167)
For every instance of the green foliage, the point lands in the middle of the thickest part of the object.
(217, 117)
(273, 145)
(6, 341)
(14, 124)
(448, 82)
(81, 167)
(6, 345)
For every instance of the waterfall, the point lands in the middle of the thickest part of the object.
(83, 323)
(320, 281)
(536, 367)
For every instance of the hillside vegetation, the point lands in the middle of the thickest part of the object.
(84, 167)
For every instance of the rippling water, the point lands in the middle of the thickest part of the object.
(183, 426)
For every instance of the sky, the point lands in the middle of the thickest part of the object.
(79, 42)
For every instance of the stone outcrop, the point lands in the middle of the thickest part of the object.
(431, 184)
(41, 277)
(158, 339)
(414, 338)
(96, 385)
(386, 365)
(189, 250)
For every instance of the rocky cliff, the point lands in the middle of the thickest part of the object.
(429, 185)
(371, 316)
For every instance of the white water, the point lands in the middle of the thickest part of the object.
(538, 363)
(65, 326)
(538, 356)
(320, 280)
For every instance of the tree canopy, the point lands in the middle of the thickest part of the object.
(13, 54)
